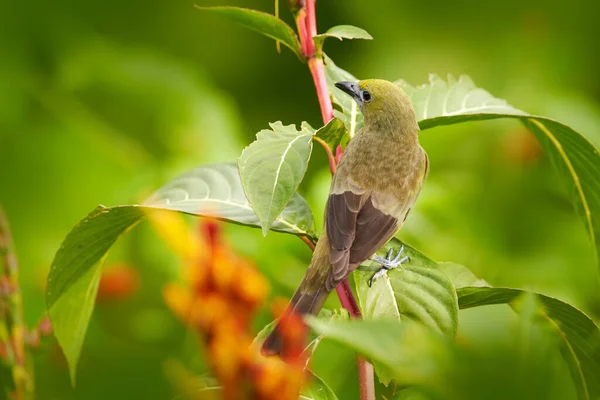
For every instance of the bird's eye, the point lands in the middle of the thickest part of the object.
(366, 95)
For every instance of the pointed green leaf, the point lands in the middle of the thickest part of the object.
(576, 159)
(272, 167)
(213, 190)
(346, 32)
(267, 24)
(341, 32)
(581, 346)
(418, 290)
(75, 274)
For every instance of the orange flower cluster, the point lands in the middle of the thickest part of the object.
(219, 301)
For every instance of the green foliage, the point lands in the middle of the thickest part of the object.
(261, 22)
(272, 167)
(215, 190)
(73, 279)
(411, 315)
(345, 32)
(210, 191)
(333, 134)
(407, 351)
(581, 336)
(576, 159)
(341, 32)
(419, 290)
(317, 390)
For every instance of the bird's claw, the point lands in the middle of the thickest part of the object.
(388, 263)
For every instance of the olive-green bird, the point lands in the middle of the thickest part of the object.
(373, 189)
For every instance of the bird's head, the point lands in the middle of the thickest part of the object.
(381, 101)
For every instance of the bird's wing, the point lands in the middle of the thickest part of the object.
(359, 221)
(356, 229)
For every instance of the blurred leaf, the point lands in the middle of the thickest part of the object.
(577, 160)
(418, 290)
(412, 393)
(410, 352)
(75, 274)
(341, 32)
(581, 335)
(347, 109)
(211, 191)
(272, 167)
(338, 314)
(264, 332)
(461, 276)
(332, 133)
(267, 24)
(317, 390)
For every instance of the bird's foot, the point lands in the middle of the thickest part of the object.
(388, 263)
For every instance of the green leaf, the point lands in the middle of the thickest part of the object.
(345, 32)
(75, 274)
(213, 190)
(341, 32)
(317, 389)
(419, 290)
(332, 134)
(577, 160)
(272, 167)
(346, 108)
(581, 336)
(410, 352)
(267, 24)
(461, 276)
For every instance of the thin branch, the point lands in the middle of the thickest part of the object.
(11, 304)
(330, 156)
(308, 242)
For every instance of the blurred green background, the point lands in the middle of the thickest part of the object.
(103, 102)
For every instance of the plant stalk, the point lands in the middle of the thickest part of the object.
(307, 30)
(12, 327)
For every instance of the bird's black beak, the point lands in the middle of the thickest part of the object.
(349, 87)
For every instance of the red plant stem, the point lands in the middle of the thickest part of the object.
(344, 292)
(307, 29)
(317, 70)
(366, 383)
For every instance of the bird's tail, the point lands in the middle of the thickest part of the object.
(308, 300)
